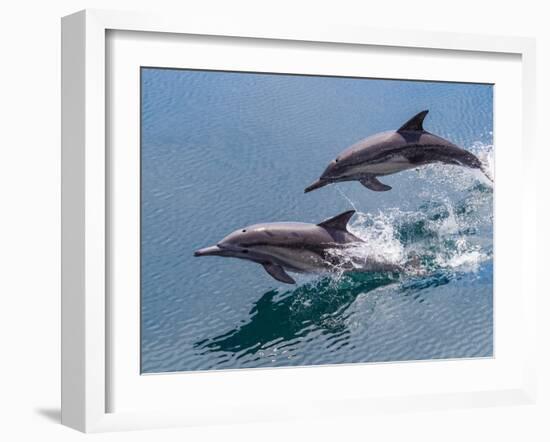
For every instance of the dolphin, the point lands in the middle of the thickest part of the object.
(296, 247)
(386, 153)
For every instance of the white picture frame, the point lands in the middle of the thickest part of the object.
(86, 203)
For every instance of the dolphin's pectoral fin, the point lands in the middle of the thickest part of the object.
(277, 272)
(372, 183)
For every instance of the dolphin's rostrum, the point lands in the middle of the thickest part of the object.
(391, 152)
(290, 246)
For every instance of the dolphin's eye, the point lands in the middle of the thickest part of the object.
(245, 250)
(336, 160)
(244, 230)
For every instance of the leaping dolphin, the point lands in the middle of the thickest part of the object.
(297, 247)
(386, 153)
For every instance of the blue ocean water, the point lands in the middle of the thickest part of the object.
(221, 151)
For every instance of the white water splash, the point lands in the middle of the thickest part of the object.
(380, 251)
(465, 261)
(380, 240)
(441, 234)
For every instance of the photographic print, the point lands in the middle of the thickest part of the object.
(301, 220)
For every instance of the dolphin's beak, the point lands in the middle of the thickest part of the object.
(208, 251)
(316, 185)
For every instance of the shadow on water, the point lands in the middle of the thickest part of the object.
(280, 317)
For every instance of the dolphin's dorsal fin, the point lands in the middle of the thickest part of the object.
(338, 222)
(415, 123)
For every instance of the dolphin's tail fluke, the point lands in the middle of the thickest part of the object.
(480, 164)
(487, 173)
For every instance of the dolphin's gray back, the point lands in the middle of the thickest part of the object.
(296, 235)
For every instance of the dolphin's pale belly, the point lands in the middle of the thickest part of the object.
(394, 164)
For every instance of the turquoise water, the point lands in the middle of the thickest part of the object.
(221, 151)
